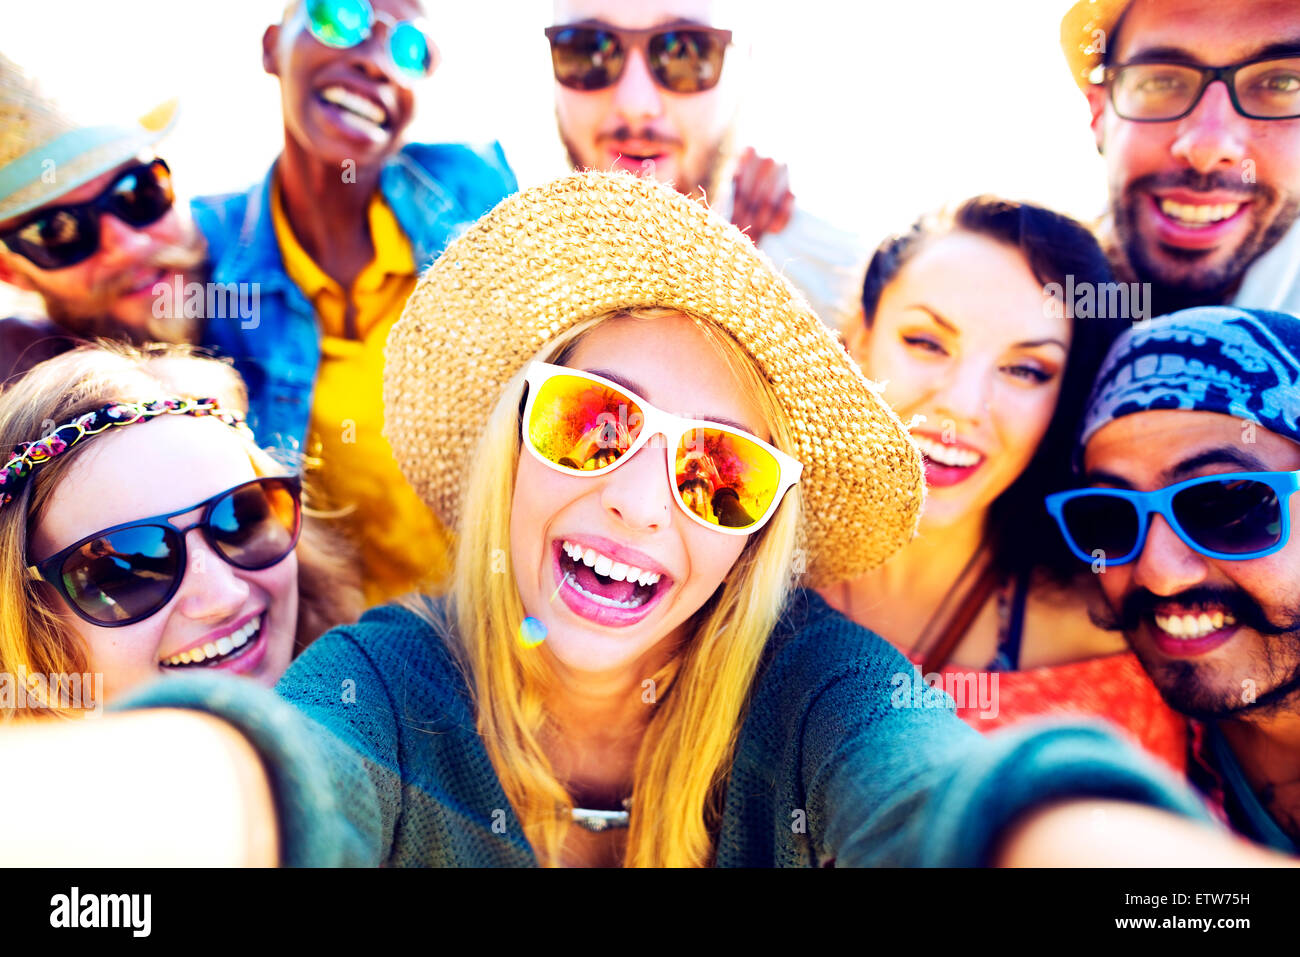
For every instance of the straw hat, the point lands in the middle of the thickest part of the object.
(45, 154)
(1086, 28)
(553, 255)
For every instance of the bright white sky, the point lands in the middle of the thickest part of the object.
(881, 109)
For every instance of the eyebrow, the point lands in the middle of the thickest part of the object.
(1027, 344)
(1224, 455)
(1172, 54)
(634, 387)
(659, 25)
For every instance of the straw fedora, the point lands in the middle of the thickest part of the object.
(590, 243)
(1086, 28)
(44, 153)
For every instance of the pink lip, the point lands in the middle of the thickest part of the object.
(1173, 233)
(1177, 648)
(945, 476)
(584, 607)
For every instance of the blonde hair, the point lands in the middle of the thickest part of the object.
(87, 378)
(701, 695)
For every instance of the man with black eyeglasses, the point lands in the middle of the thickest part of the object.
(87, 222)
(1190, 457)
(1196, 110)
(653, 87)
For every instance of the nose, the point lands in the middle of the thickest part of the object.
(966, 393)
(212, 589)
(120, 241)
(1167, 566)
(636, 95)
(637, 492)
(1212, 137)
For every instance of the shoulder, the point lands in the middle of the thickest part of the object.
(1058, 626)
(465, 167)
(26, 342)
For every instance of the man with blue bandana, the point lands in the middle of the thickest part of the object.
(1189, 457)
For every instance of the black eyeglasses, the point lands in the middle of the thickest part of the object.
(1261, 89)
(129, 572)
(60, 236)
(682, 59)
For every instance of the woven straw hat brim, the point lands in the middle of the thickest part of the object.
(1086, 28)
(551, 256)
(45, 154)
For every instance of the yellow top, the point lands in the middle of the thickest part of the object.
(403, 546)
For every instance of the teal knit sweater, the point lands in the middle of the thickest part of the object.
(373, 756)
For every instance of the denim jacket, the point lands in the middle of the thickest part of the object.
(434, 190)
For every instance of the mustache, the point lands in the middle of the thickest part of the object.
(647, 135)
(1190, 179)
(1140, 605)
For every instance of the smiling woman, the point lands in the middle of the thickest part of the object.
(728, 718)
(144, 533)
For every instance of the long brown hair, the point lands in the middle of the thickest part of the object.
(86, 379)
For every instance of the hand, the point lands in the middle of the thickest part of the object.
(762, 201)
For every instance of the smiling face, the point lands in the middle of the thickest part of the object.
(132, 473)
(1195, 622)
(1197, 200)
(341, 104)
(111, 293)
(961, 337)
(627, 516)
(636, 124)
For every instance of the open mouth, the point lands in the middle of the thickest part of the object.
(1198, 216)
(947, 464)
(355, 110)
(604, 590)
(226, 649)
(1192, 632)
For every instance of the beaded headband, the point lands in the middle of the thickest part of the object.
(25, 457)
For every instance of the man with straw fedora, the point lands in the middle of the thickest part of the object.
(1196, 111)
(87, 223)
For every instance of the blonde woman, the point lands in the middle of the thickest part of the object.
(144, 533)
(614, 678)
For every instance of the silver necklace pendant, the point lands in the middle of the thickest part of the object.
(597, 821)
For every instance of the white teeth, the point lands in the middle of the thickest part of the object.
(218, 649)
(946, 454)
(354, 103)
(1191, 627)
(636, 601)
(1198, 215)
(604, 565)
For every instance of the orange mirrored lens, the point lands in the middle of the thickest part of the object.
(726, 479)
(582, 425)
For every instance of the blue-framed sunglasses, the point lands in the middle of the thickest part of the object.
(1235, 516)
(343, 24)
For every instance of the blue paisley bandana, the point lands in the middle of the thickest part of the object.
(1239, 362)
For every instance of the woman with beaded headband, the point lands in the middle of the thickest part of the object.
(616, 677)
(110, 459)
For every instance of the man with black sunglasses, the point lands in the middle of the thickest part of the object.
(87, 222)
(652, 87)
(1190, 455)
(1196, 111)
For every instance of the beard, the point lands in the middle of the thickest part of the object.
(1197, 286)
(704, 181)
(1198, 689)
(92, 317)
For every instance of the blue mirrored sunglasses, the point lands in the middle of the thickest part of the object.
(343, 24)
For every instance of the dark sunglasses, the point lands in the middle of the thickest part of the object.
(1234, 517)
(1260, 89)
(61, 236)
(129, 572)
(343, 24)
(684, 59)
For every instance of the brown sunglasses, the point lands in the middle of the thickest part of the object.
(682, 59)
